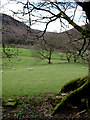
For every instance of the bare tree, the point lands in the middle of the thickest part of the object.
(9, 51)
(47, 45)
(72, 51)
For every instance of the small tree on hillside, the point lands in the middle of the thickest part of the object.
(46, 46)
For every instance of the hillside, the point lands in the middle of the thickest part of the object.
(15, 32)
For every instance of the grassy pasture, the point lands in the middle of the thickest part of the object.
(33, 53)
(44, 78)
(29, 52)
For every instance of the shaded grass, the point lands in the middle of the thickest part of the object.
(43, 79)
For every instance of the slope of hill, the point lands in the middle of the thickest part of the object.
(15, 32)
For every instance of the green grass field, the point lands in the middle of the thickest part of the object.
(44, 78)
(29, 52)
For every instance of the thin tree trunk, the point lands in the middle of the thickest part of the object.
(74, 60)
(50, 53)
(68, 59)
(49, 61)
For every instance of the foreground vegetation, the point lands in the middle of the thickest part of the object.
(38, 108)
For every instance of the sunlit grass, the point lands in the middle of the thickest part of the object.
(44, 78)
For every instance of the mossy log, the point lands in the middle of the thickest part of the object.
(77, 89)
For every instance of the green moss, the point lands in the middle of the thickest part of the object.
(81, 90)
(9, 102)
(73, 84)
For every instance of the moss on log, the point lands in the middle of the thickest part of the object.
(77, 89)
(73, 84)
